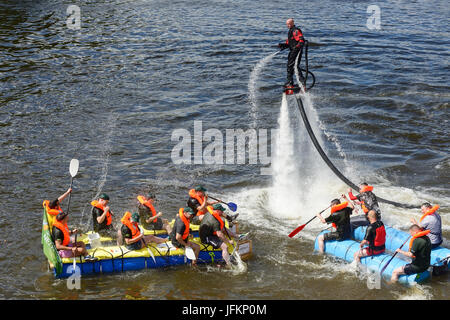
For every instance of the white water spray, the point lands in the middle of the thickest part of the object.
(252, 90)
(105, 151)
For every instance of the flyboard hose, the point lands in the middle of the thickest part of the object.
(331, 165)
(306, 70)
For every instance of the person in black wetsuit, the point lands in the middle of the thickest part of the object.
(294, 42)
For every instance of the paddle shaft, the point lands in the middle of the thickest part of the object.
(385, 266)
(300, 228)
(217, 200)
(70, 194)
(74, 254)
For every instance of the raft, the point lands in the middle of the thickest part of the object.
(395, 238)
(119, 258)
(114, 258)
(346, 249)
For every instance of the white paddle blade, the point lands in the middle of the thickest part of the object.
(190, 253)
(73, 169)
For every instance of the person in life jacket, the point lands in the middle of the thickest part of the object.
(368, 201)
(294, 42)
(431, 220)
(102, 215)
(150, 219)
(53, 208)
(63, 243)
(419, 251)
(340, 219)
(375, 237)
(198, 200)
(132, 234)
(181, 233)
(212, 230)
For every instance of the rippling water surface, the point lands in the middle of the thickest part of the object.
(112, 93)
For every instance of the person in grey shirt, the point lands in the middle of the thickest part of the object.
(431, 220)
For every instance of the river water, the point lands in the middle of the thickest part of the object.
(120, 93)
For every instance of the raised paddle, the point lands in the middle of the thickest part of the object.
(74, 254)
(300, 228)
(73, 169)
(385, 266)
(231, 205)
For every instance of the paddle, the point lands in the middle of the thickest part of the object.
(73, 169)
(74, 255)
(385, 266)
(145, 244)
(231, 205)
(189, 252)
(300, 228)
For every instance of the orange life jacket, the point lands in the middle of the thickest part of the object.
(336, 208)
(148, 204)
(217, 216)
(64, 229)
(418, 235)
(186, 224)
(429, 212)
(51, 213)
(201, 200)
(133, 226)
(96, 204)
(365, 189)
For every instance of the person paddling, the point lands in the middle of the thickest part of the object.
(212, 230)
(431, 220)
(198, 200)
(132, 235)
(102, 215)
(340, 219)
(368, 201)
(294, 42)
(53, 207)
(375, 237)
(63, 243)
(180, 232)
(150, 219)
(419, 251)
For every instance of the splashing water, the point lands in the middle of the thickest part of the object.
(252, 90)
(301, 182)
(105, 151)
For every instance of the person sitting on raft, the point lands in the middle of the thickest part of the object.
(180, 231)
(150, 219)
(419, 251)
(102, 216)
(431, 220)
(198, 200)
(132, 235)
(375, 237)
(340, 219)
(61, 236)
(212, 229)
(53, 207)
(368, 201)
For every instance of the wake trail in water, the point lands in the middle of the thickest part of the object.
(252, 89)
